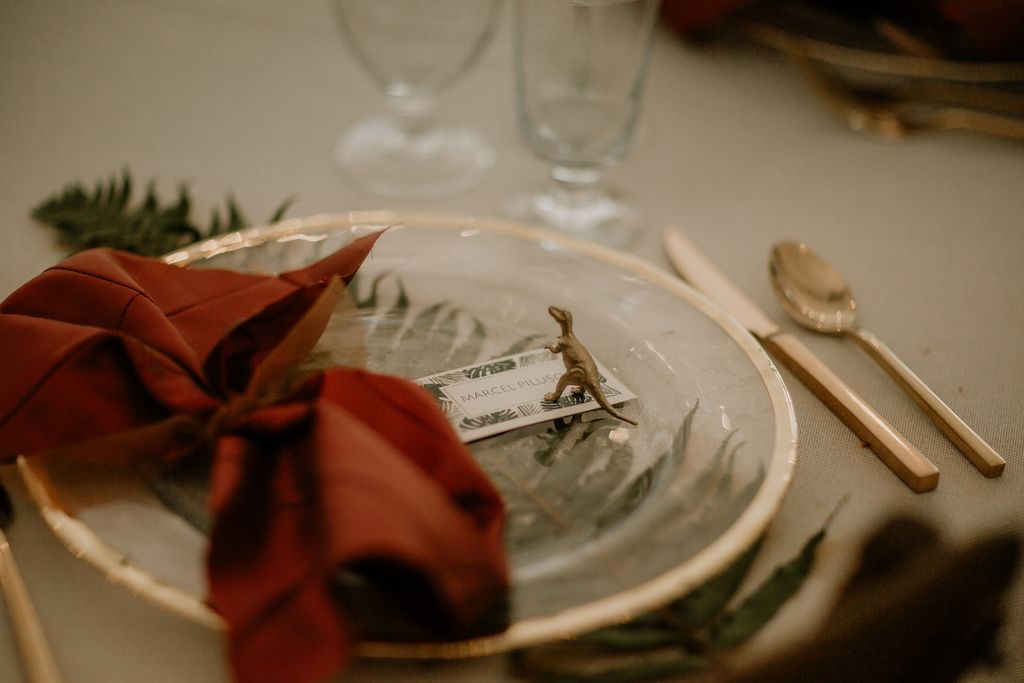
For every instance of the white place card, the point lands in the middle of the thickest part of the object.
(505, 393)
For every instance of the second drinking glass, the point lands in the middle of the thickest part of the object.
(580, 69)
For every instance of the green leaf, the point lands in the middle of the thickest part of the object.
(439, 341)
(370, 300)
(468, 351)
(383, 334)
(682, 436)
(282, 209)
(680, 622)
(633, 636)
(402, 302)
(758, 609)
(634, 495)
(705, 602)
(579, 467)
(236, 219)
(687, 635)
(703, 489)
(104, 217)
(420, 326)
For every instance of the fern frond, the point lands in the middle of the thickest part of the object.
(104, 217)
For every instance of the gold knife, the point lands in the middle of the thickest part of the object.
(891, 447)
(36, 658)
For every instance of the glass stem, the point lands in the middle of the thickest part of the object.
(576, 186)
(413, 114)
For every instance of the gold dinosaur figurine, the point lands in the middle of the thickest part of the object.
(580, 369)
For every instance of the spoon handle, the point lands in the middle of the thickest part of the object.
(891, 447)
(981, 455)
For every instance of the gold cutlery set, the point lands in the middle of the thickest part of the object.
(814, 294)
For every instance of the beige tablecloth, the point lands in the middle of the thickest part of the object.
(249, 96)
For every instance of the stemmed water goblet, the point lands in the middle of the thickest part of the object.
(414, 49)
(580, 67)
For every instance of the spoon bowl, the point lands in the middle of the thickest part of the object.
(811, 290)
(815, 294)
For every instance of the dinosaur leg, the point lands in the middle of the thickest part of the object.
(563, 382)
(577, 378)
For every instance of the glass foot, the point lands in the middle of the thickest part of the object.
(602, 217)
(380, 156)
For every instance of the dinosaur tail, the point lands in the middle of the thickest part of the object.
(603, 402)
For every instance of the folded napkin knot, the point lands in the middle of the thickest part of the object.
(230, 415)
(273, 378)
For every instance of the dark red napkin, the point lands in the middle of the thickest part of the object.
(113, 358)
(995, 27)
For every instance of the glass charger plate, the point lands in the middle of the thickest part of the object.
(605, 520)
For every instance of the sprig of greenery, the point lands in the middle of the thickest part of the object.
(104, 217)
(687, 636)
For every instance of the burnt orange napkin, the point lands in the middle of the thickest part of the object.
(113, 358)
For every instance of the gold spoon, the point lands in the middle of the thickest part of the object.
(815, 295)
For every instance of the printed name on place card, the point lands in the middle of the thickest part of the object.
(506, 393)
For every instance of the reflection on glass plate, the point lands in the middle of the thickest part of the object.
(606, 520)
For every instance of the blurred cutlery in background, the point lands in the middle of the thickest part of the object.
(894, 112)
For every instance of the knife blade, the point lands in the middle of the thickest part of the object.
(891, 447)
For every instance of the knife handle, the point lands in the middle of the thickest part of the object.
(981, 455)
(898, 454)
